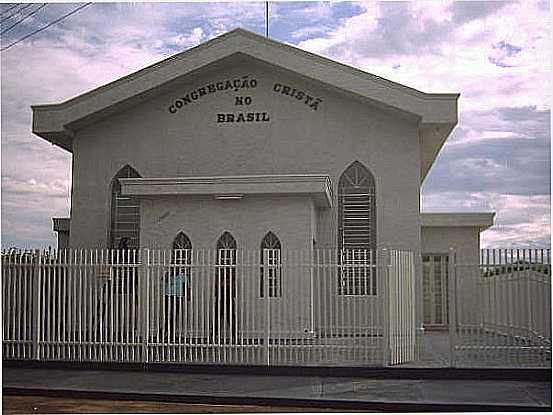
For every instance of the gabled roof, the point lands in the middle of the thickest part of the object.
(436, 113)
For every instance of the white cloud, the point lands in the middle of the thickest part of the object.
(186, 40)
(307, 31)
(93, 49)
(432, 46)
(435, 55)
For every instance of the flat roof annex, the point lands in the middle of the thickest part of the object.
(480, 220)
(435, 113)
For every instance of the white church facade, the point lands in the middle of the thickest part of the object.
(243, 142)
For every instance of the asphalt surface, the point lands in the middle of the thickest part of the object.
(346, 392)
(49, 405)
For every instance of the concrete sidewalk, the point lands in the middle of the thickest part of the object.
(346, 392)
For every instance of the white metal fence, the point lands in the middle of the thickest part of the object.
(500, 309)
(270, 307)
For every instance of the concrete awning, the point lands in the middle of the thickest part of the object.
(317, 187)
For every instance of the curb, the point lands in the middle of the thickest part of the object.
(518, 374)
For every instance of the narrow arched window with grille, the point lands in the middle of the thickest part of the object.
(182, 248)
(178, 282)
(125, 214)
(270, 266)
(226, 261)
(357, 231)
(225, 316)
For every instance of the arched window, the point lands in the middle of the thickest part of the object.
(226, 262)
(226, 241)
(225, 319)
(125, 214)
(181, 250)
(357, 230)
(178, 279)
(270, 266)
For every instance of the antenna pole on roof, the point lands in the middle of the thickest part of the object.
(267, 19)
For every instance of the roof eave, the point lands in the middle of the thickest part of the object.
(480, 220)
(56, 122)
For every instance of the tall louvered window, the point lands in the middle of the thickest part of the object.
(270, 266)
(125, 214)
(357, 231)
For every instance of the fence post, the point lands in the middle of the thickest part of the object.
(145, 294)
(452, 304)
(35, 331)
(385, 283)
(311, 255)
(266, 292)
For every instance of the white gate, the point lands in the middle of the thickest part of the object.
(500, 311)
(401, 306)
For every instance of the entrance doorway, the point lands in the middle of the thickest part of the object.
(435, 277)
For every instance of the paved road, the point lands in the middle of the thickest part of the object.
(41, 405)
(267, 390)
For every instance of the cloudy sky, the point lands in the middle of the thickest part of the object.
(494, 53)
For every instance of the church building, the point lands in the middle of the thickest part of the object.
(244, 142)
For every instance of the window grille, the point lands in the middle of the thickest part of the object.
(271, 262)
(125, 213)
(357, 231)
(181, 250)
(226, 241)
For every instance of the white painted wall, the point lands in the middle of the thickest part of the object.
(296, 140)
(464, 240)
(204, 219)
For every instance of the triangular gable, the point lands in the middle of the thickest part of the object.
(436, 113)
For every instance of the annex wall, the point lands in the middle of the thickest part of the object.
(465, 241)
(204, 219)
